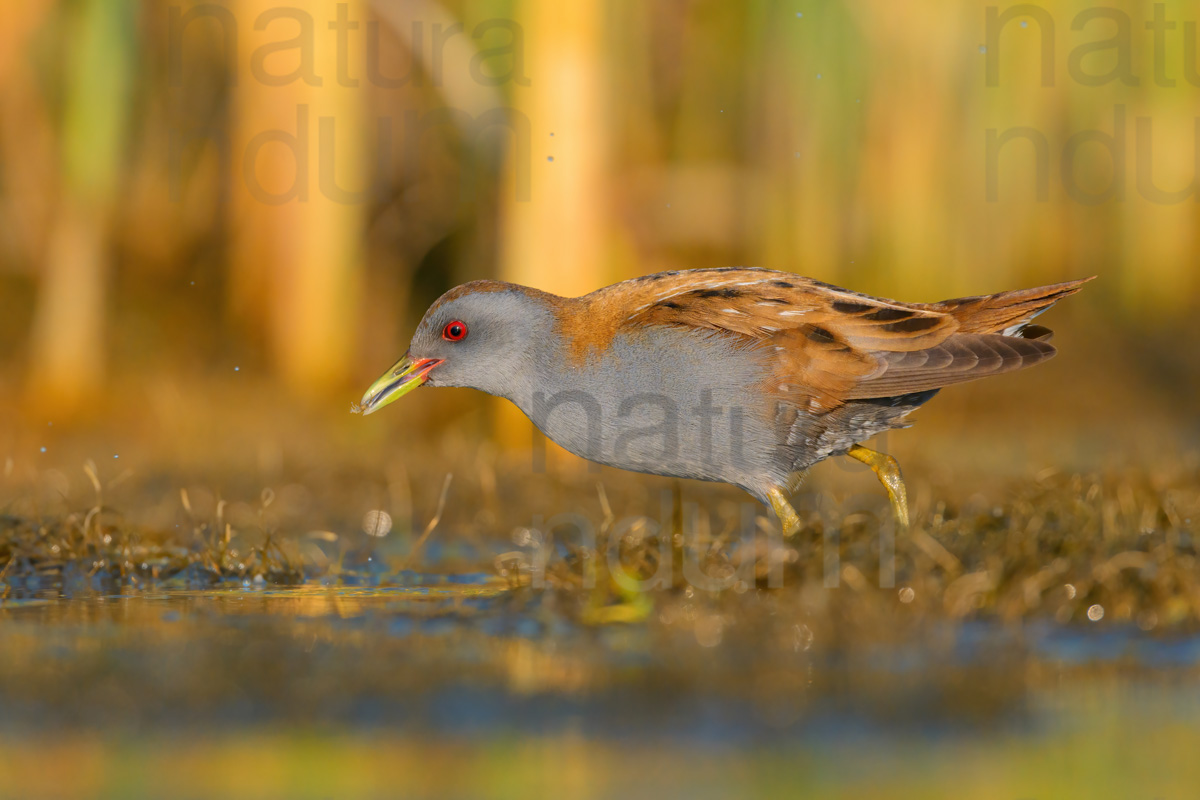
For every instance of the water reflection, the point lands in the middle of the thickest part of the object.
(466, 654)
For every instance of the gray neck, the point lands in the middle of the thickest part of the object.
(539, 366)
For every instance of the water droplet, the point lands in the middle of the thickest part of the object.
(1096, 612)
(116, 456)
(818, 76)
(43, 449)
(1025, 24)
(799, 14)
(237, 369)
(549, 158)
(377, 523)
(983, 48)
(551, 133)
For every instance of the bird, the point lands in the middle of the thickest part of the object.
(740, 375)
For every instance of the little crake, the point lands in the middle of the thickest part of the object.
(743, 376)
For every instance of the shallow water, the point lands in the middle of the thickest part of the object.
(330, 690)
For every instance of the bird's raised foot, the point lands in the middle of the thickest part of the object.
(887, 470)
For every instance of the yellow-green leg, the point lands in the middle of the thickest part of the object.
(785, 512)
(888, 472)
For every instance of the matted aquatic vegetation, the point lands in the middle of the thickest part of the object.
(1120, 547)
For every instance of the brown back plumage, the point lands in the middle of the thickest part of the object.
(830, 345)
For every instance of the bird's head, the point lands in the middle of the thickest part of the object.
(479, 335)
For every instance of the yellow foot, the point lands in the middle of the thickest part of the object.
(888, 472)
(785, 512)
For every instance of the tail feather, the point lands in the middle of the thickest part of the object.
(1008, 313)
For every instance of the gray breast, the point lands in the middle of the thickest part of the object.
(665, 401)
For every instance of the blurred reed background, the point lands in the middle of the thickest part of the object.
(283, 185)
(220, 221)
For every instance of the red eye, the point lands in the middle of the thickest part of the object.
(454, 331)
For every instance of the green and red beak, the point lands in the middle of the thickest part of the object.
(407, 374)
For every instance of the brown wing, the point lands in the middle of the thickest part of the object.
(994, 335)
(826, 342)
(831, 345)
(762, 303)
